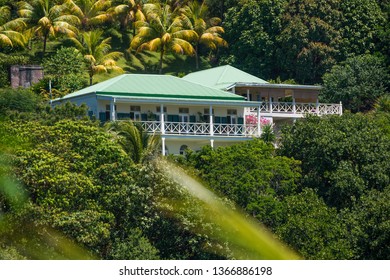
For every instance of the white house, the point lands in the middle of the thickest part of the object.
(191, 112)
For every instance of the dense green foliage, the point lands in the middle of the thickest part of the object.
(357, 83)
(291, 39)
(302, 39)
(329, 201)
(65, 181)
(354, 153)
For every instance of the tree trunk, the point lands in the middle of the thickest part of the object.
(161, 59)
(44, 43)
(196, 57)
(90, 79)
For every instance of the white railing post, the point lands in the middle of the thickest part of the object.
(112, 109)
(212, 143)
(211, 121)
(270, 104)
(341, 109)
(317, 107)
(294, 106)
(162, 121)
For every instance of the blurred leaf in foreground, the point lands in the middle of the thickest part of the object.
(247, 239)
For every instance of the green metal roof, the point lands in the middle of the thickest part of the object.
(222, 77)
(157, 86)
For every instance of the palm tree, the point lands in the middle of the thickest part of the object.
(129, 11)
(10, 30)
(193, 17)
(47, 19)
(163, 31)
(90, 12)
(96, 51)
(136, 142)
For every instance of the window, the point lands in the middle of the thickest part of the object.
(135, 113)
(184, 110)
(158, 109)
(135, 108)
(231, 111)
(232, 116)
(183, 149)
(108, 107)
(207, 111)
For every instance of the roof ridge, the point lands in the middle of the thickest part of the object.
(223, 73)
(113, 80)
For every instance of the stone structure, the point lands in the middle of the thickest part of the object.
(25, 75)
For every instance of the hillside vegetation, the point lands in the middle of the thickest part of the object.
(72, 188)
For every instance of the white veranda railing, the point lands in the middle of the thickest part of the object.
(299, 108)
(182, 128)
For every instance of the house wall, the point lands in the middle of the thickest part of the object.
(171, 109)
(264, 94)
(89, 100)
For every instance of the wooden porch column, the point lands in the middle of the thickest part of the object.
(212, 143)
(112, 109)
(162, 121)
(163, 145)
(248, 95)
(317, 107)
(270, 104)
(211, 121)
(341, 109)
(258, 121)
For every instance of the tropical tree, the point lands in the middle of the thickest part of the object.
(89, 12)
(194, 16)
(10, 30)
(163, 32)
(308, 41)
(137, 143)
(128, 12)
(358, 82)
(46, 19)
(96, 51)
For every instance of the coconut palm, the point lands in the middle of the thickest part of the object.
(10, 30)
(193, 17)
(90, 12)
(163, 32)
(47, 19)
(136, 142)
(128, 12)
(96, 52)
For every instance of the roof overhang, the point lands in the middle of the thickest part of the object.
(200, 102)
(274, 86)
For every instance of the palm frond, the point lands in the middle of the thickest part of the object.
(71, 19)
(216, 29)
(5, 41)
(113, 56)
(74, 9)
(153, 45)
(100, 19)
(189, 35)
(99, 69)
(90, 58)
(16, 25)
(185, 46)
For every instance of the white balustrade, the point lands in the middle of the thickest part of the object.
(298, 108)
(180, 128)
(152, 126)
